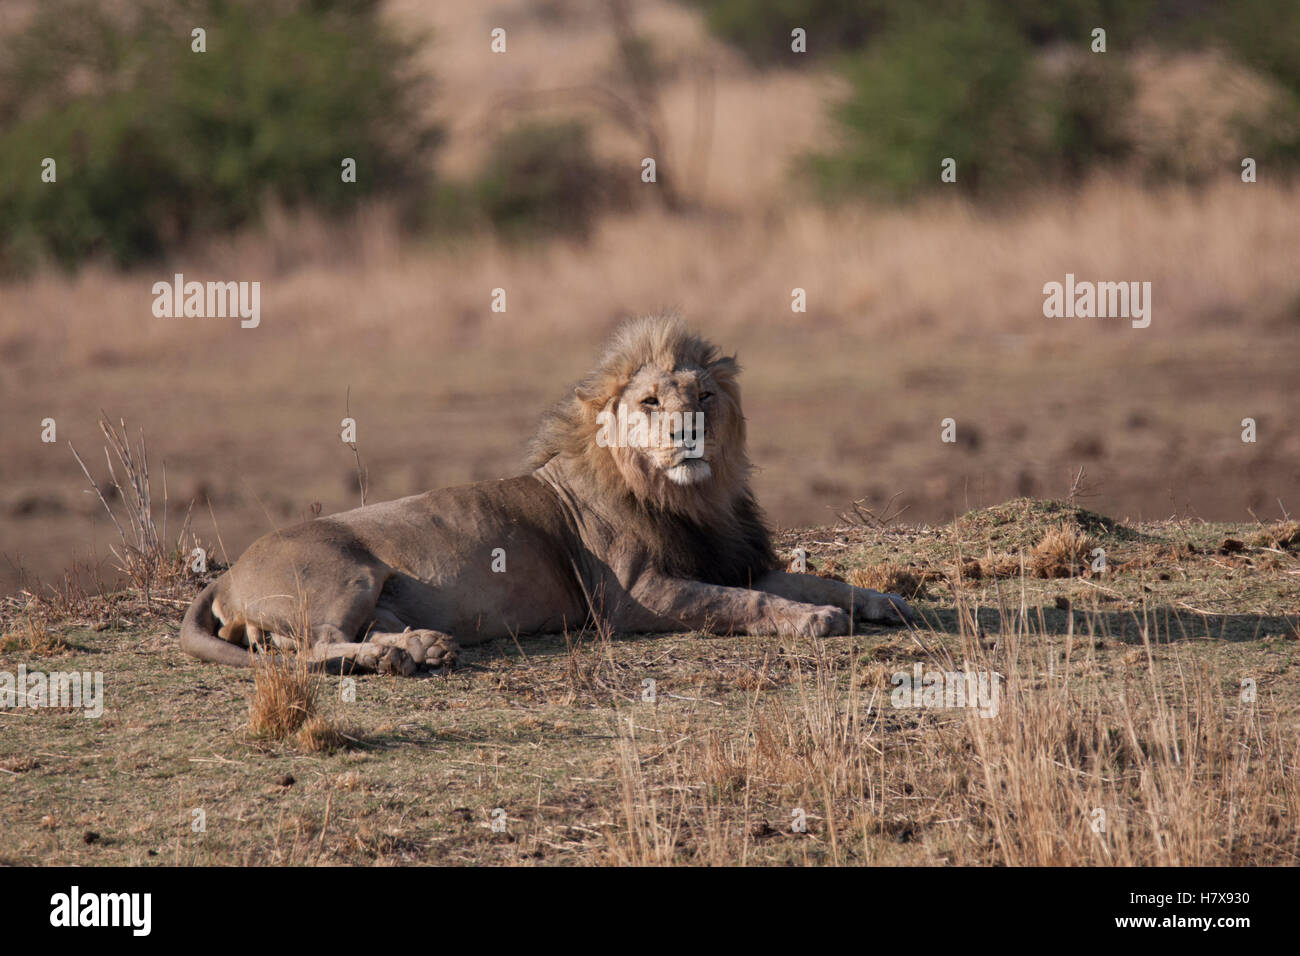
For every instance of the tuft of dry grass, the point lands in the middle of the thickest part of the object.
(144, 558)
(30, 634)
(893, 578)
(286, 698)
(991, 566)
(318, 734)
(1001, 565)
(286, 695)
(1063, 552)
(590, 671)
(1282, 535)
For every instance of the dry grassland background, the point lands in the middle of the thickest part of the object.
(915, 314)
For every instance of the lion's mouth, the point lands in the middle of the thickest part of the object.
(689, 472)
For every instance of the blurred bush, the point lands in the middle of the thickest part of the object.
(934, 88)
(542, 178)
(1127, 22)
(1012, 91)
(970, 88)
(1264, 34)
(539, 179)
(761, 28)
(156, 143)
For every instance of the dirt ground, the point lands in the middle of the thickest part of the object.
(1123, 692)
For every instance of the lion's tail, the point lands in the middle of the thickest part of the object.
(199, 633)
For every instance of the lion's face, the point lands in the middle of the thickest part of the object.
(663, 417)
(671, 428)
(660, 417)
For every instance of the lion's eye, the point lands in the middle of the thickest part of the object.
(651, 400)
(705, 396)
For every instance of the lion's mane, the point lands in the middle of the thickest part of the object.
(709, 531)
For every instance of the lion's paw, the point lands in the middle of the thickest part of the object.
(822, 622)
(881, 608)
(423, 648)
(433, 649)
(396, 661)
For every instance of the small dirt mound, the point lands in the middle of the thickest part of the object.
(1020, 524)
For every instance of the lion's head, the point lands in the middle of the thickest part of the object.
(658, 422)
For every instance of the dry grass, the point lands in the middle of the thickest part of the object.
(145, 559)
(286, 700)
(1000, 565)
(893, 578)
(30, 634)
(150, 581)
(285, 705)
(1064, 552)
(318, 734)
(1160, 764)
(1122, 693)
(1282, 535)
(286, 689)
(285, 695)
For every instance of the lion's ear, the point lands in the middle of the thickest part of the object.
(589, 395)
(725, 369)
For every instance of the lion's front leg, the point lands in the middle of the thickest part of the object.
(694, 605)
(349, 657)
(866, 606)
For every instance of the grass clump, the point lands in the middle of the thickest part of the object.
(1065, 551)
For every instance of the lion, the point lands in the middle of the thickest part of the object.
(636, 513)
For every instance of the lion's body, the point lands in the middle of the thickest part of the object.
(591, 532)
(432, 555)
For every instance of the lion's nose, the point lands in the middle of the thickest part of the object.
(688, 429)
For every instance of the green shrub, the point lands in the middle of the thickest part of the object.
(1089, 102)
(1264, 34)
(1011, 89)
(761, 28)
(156, 143)
(1128, 23)
(969, 87)
(541, 178)
(933, 89)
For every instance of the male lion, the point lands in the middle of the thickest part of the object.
(649, 530)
